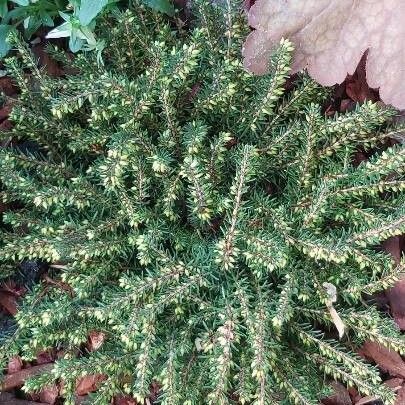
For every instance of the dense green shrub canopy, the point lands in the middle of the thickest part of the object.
(210, 223)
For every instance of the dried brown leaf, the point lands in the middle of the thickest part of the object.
(394, 383)
(88, 383)
(400, 400)
(340, 397)
(96, 340)
(5, 111)
(396, 294)
(5, 126)
(17, 379)
(396, 297)
(47, 356)
(331, 37)
(8, 302)
(356, 85)
(125, 400)
(386, 359)
(49, 395)
(15, 364)
(7, 86)
(50, 65)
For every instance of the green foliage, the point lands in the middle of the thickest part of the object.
(197, 212)
(79, 18)
(29, 15)
(164, 6)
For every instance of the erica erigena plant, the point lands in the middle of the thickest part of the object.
(211, 224)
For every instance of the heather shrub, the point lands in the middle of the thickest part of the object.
(210, 224)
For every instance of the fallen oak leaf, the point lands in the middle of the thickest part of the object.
(340, 397)
(155, 388)
(125, 400)
(394, 246)
(12, 288)
(369, 400)
(79, 400)
(47, 356)
(354, 394)
(396, 294)
(331, 37)
(6, 125)
(17, 379)
(356, 85)
(7, 86)
(247, 4)
(51, 66)
(10, 292)
(95, 340)
(396, 297)
(15, 364)
(386, 359)
(394, 383)
(89, 383)
(32, 396)
(347, 105)
(49, 394)
(5, 111)
(8, 302)
(400, 400)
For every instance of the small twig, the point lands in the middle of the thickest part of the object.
(60, 284)
(58, 266)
